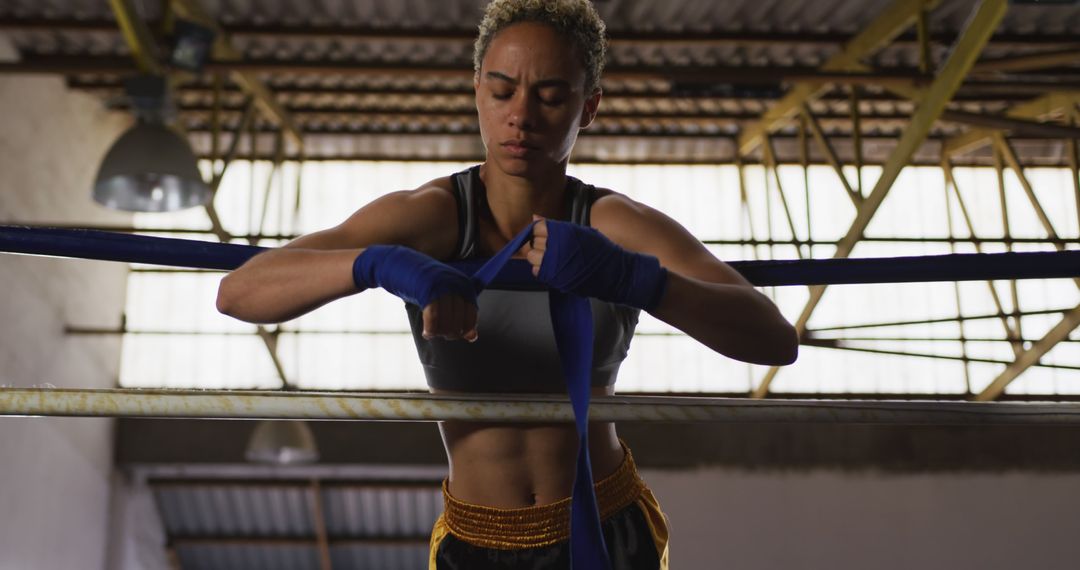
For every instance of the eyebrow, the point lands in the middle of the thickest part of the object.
(542, 83)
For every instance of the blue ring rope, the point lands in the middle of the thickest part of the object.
(517, 274)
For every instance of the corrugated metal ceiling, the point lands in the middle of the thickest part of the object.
(716, 66)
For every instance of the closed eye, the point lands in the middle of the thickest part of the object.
(552, 95)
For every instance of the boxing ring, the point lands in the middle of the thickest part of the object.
(226, 404)
(572, 324)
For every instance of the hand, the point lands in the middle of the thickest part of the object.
(580, 260)
(447, 295)
(535, 247)
(450, 317)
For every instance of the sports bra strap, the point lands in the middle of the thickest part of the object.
(469, 192)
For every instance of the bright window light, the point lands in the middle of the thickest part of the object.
(362, 343)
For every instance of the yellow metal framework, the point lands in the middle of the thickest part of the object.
(140, 41)
(137, 35)
(1049, 105)
(887, 26)
(224, 51)
(985, 20)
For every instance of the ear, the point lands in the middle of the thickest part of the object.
(592, 105)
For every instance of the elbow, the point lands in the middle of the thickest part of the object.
(779, 349)
(227, 296)
(785, 340)
(785, 343)
(789, 351)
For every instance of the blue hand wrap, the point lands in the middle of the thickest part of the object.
(582, 261)
(410, 275)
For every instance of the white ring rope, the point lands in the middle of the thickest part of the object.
(226, 404)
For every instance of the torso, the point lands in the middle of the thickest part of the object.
(519, 465)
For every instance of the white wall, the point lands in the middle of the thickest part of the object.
(743, 520)
(54, 473)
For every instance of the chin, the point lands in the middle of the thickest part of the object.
(522, 167)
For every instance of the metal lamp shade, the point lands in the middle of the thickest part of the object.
(282, 443)
(150, 168)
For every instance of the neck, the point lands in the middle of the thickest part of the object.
(514, 199)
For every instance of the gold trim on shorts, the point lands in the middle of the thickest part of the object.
(542, 525)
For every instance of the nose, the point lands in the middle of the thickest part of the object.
(522, 112)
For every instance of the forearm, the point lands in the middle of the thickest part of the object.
(285, 283)
(734, 320)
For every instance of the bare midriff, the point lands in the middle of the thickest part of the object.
(523, 465)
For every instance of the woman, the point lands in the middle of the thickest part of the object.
(538, 68)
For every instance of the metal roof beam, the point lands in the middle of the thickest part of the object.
(980, 27)
(1061, 331)
(950, 182)
(1030, 62)
(137, 36)
(227, 59)
(841, 344)
(1031, 356)
(1015, 126)
(1006, 91)
(892, 21)
(830, 153)
(224, 51)
(146, 446)
(1049, 105)
(319, 522)
(617, 37)
(1013, 161)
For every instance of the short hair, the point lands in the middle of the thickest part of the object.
(575, 19)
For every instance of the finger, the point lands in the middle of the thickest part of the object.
(535, 257)
(454, 327)
(539, 243)
(540, 229)
(431, 317)
(471, 334)
(443, 314)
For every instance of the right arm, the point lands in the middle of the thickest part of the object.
(284, 283)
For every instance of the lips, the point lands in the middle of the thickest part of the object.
(518, 147)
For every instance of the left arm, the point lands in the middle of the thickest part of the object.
(705, 297)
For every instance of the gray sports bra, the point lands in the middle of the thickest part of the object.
(515, 351)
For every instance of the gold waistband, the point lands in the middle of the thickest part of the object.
(542, 525)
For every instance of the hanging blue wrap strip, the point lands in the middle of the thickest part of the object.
(571, 319)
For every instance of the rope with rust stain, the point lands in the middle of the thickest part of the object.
(239, 404)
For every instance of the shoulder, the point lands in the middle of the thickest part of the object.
(638, 227)
(424, 218)
(430, 202)
(627, 221)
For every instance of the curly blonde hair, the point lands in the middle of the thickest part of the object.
(575, 19)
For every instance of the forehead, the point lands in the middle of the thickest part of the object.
(534, 48)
